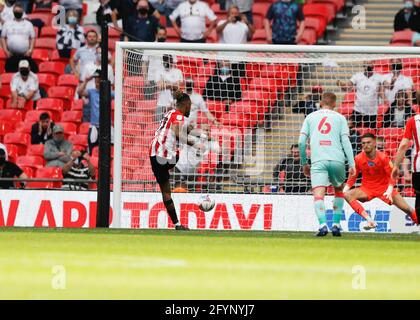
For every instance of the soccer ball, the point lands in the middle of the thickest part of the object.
(206, 203)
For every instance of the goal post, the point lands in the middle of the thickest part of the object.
(253, 122)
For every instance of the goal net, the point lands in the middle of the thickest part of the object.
(248, 105)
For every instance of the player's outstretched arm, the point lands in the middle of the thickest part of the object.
(402, 149)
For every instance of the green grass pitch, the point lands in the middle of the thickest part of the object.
(157, 264)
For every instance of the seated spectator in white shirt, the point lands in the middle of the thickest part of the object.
(85, 55)
(70, 36)
(396, 81)
(168, 82)
(197, 104)
(369, 88)
(24, 86)
(235, 29)
(193, 14)
(18, 40)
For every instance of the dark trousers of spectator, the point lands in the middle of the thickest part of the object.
(193, 41)
(248, 15)
(12, 63)
(65, 53)
(364, 120)
(284, 42)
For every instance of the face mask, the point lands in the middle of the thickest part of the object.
(237, 18)
(224, 70)
(11, 2)
(2, 161)
(408, 5)
(189, 87)
(161, 39)
(18, 15)
(143, 11)
(72, 20)
(24, 72)
(58, 139)
(369, 69)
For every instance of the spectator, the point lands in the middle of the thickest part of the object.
(408, 17)
(93, 95)
(396, 81)
(170, 81)
(57, 150)
(142, 26)
(106, 7)
(91, 68)
(415, 40)
(380, 143)
(79, 167)
(193, 15)
(152, 65)
(85, 55)
(285, 16)
(244, 7)
(311, 102)
(7, 13)
(369, 89)
(2, 13)
(354, 137)
(294, 180)
(24, 86)
(73, 5)
(222, 86)
(42, 130)
(9, 170)
(70, 36)
(197, 104)
(124, 9)
(190, 158)
(18, 40)
(236, 28)
(399, 112)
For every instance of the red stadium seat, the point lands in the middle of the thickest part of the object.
(69, 128)
(11, 115)
(47, 80)
(391, 133)
(55, 56)
(79, 140)
(47, 173)
(72, 116)
(35, 150)
(54, 106)
(77, 105)
(5, 128)
(404, 36)
(30, 172)
(12, 151)
(45, 43)
(84, 128)
(40, 55)
(217, 108)
(33, 115)
(68, 80)
(318, 10)
(260, 35)
(21, 140)
(64, 93)
(29, 105)
(24, 127)
(48, 32)
(5, 92)
(337, 4)
(6, 78)
(30, 161)
(53, 67)
(317, 24)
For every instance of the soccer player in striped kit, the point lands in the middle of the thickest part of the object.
(164, 151)
(330, 146)
(412, 128)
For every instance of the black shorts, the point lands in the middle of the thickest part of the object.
(161, 167)
(415, 180)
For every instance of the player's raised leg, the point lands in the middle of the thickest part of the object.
(353, 197)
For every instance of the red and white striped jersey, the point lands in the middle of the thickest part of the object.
(412, 130)
(165, 144)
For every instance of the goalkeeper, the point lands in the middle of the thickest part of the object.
(330, 146)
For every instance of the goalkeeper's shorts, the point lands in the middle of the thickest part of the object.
(326, 173)
(374, 193)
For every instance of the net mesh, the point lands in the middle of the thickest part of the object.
(252, 106)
